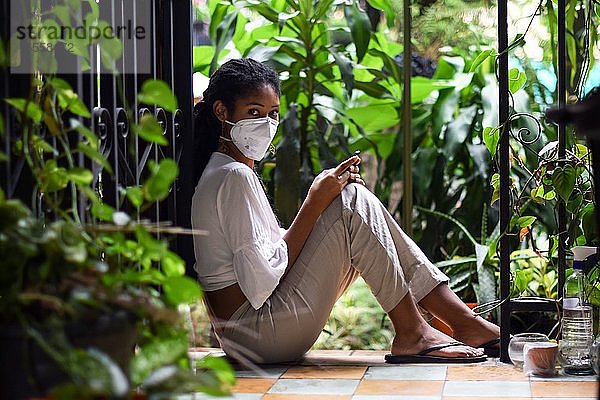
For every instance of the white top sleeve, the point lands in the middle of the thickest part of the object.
(260, 254)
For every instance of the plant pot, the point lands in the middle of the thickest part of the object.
(27, 371)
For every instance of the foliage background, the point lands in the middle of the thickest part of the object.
(342, 85)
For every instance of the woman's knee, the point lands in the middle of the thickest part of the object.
(351, 192)
(355, 193)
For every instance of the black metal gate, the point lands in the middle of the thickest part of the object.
(106, 94)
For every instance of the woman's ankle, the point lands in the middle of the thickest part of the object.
(477, 331)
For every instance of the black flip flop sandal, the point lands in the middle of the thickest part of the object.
(423, 357)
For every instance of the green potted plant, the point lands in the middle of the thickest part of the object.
(91, 309)
(84, 295)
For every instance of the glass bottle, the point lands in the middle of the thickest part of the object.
(577, 319)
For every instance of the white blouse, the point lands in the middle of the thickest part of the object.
(245, 243)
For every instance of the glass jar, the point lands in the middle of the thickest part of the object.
(515, 346)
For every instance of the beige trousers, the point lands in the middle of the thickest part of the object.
(354, 236)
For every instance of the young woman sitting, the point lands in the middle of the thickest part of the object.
(270, 291)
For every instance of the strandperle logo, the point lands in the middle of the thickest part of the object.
(76, 36)
(84, 31)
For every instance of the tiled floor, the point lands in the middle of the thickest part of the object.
(362, 375)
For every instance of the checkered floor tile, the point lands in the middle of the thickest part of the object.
(362, 375)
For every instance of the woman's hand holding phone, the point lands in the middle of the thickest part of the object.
(330, 182)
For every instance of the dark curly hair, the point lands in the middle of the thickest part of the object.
(234, 80)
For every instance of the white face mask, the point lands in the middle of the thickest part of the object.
(253, 136)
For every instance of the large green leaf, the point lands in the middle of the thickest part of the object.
(563, 179)
(172, 264)
(443, 110)
(389, 63)
(522, 279)
(572, 51)
(323, 7)
(181, 290)
(220, 366)
(262, 53)
(29, 108)
(94, 13)
(94, 155)
(41, 146)
(53, 177)
(491, 137)
(380, 41)
(422, 87)
(386, 7)
(157, 92)
(346, 69)
(458, 130)
(516, 80)
(445, 69)
(68, 99)
(157, 187)
(150, 130)
(62, 13)
(384, 142)
(202, 56)
(80, 176)
(306, 8)
(223, 34)
(376, 116)
(360, 28)
(85, 132)
(48, 32)
(373, 89)
(135, 195)
(111, 47)
(481, 57)
(525, 221)
(102, 211)
(485, 290)
(266, 11)
(448, 66)
(242, 39)
(542, 193)
(161, 351)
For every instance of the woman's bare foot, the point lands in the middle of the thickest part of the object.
(426, 337)
(475, 331)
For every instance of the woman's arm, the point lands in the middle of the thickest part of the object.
(326, 187)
